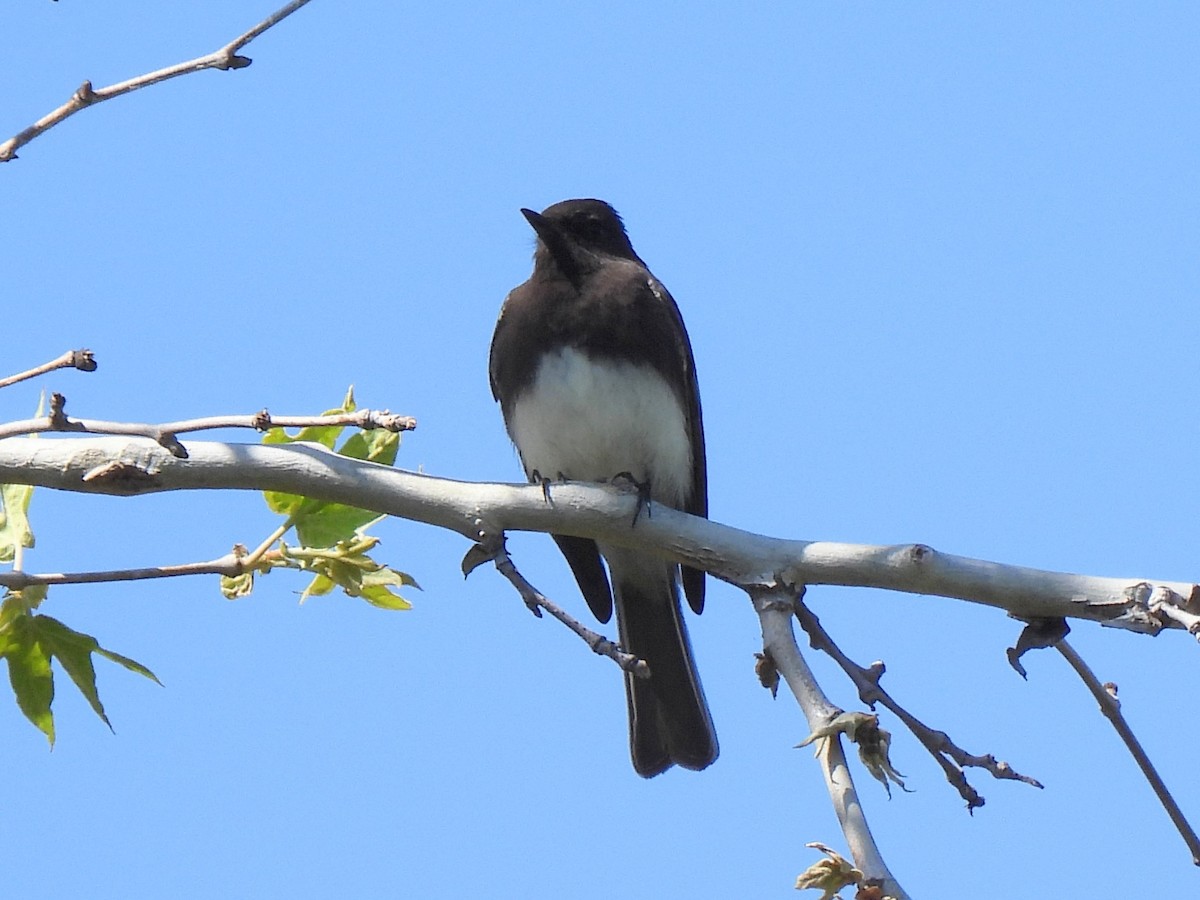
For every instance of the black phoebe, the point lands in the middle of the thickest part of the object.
(594, 373)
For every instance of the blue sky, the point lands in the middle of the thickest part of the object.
(938, 263)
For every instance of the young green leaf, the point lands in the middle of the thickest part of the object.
(30, 676)
(74, 653)
(29, 642)
(14, 509)
(14, 520)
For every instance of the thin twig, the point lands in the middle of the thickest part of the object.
(166, 433)
(952, 758)
(225, 58)
(1111, 707)
(774, 608)
(83, 360)
(537, 601)
(230, 565)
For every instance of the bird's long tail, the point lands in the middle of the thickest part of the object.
(669, 721)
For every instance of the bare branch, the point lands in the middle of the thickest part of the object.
(774, 608)
(537, 601)
(769, 568)
(1106, 696)
(230, 564)
(83, 360)
(85, 95)
(166, 434)
(582, 510)
(952, 758)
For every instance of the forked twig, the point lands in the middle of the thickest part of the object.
(85, 95)
(952, 758)
(167, 433)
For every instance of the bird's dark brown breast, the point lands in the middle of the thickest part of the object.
(623, 315)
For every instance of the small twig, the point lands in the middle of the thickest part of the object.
(225, 58)
(775, 608)
(230, 565)
(537, 601)
(1111, 707)
(166, 434)
(251, 559)
(83, 360)
(952, 758)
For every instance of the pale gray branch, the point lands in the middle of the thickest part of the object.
(132, 466)
(775, 609)
(768, 568)
(166, 433)
(85, 95)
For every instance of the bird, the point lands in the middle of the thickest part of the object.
(594, 373)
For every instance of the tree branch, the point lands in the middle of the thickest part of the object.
(126, 466)
(166, 434)
(768, 568)
(1106, 696)
(774, 608)
(230, 564)
(952, 758)
(536, 601)
(83, 360)
(85, 95)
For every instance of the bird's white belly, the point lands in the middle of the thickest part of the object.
(589, 420)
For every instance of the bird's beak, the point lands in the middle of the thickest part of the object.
(554, 241)
(544, 228)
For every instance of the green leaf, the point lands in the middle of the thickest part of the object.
(73, 651)
(331, 524)
(14, 509)
(318, 587)
(14, 520)
(235, 586)
(30, 642)
(378, 445)
(377, 588)
(131, 664)
(19, 602)
(30, 676)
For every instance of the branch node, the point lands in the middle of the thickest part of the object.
(83, 360)
(918, 553)
(170, 443)
(122, 477)
(84, 95)
(58, 415)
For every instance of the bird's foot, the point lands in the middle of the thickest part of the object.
(643, 494)
(536, 477)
